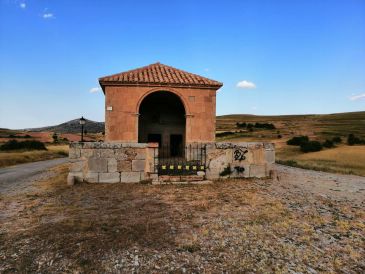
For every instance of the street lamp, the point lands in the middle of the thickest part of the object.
(82, 123)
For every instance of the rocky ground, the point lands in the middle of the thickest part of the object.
(299, 222)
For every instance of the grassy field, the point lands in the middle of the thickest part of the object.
(19, 157)
(342, 159)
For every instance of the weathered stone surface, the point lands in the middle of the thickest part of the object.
(92, 177)
(137, 161)
(112, 165)
(130, 177)
(138, 165)
(109, 177)
(87, 152)
(125, 154)
(269, 156)
(258, 171)
(76, 166)
(141, 153)
(70, 179)
(239, 171)
(106, 153)
(124, 165)
(97, 165)
(78, 176)
(74, 153)
(153, 176)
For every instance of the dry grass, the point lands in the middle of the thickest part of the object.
(235, 226)
(19, 157)
(343, 159)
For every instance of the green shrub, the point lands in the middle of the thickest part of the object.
(337, 139)
(297, 140)
(241, 125)
(353, 140)
(311, 146)
(328, 144)
(224, 134)
(28, 145)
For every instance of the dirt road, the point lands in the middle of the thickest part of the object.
(337, 186)
(20, 177)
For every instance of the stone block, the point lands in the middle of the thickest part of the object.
(70, 180)
(92, 177)
(124, 165)
(112, 165)
(109, 177)
(130, 177)
(138, 165)
(106, 153)
(74, 153)
(258, 171)
(87, 152)
(140, 153)
(125, 154)
(76, 166)
(270, 170)
(97, 165)
(258, 156)
(269, 156)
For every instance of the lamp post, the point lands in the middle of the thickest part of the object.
(82, 123)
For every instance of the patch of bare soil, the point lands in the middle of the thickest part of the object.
(260, 226)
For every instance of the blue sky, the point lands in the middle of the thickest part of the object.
(274, 57)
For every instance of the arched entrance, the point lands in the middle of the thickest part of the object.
(162, 120)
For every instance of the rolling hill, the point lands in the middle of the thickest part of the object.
(72, 126)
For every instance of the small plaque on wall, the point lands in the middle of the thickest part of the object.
(110, 108)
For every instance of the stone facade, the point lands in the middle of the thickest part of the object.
(98, 162)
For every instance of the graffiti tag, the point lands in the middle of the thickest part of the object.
(239, 154)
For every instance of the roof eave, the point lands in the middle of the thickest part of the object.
(104, 83)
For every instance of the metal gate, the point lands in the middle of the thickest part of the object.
(181, 160)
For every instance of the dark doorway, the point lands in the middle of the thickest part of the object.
(162, 120)
(176, 145)
(154, 138)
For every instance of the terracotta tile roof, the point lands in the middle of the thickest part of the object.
(158, 75)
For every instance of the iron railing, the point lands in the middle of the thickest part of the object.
(180, 160)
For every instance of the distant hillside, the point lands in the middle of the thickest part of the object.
(72, 126)
(321, 125)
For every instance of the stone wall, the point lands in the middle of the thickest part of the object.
(235, 160)
(97, 162)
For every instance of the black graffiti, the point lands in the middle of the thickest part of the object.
(239, 154)
(239, 169)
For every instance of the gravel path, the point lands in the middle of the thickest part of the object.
(19, 178)
(337, 186)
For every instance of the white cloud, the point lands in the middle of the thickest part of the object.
(246, 84)
(48, 15)
(254, 107)
(23, 5)
(358, 97)
(94, 90)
